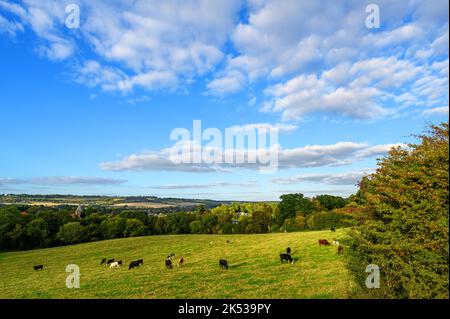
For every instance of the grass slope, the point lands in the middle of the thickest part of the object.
(255, 269)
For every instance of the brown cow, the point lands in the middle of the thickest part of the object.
(324, 242)
(340, 249)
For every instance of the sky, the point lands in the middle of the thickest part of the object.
(88, 108)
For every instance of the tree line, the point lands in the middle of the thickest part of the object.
(28, 227)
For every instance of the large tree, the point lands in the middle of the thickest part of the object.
(404, 226)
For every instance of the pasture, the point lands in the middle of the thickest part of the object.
(255, 270)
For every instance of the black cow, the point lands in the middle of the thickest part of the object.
(332, 229)
(223, 264)
(103, 261)
(38, 267)
(168, 264)
(287, 258)
(110, 261)
(136, 263)
(288, 250)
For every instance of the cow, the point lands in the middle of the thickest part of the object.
(228, 241)
(136, 263)
(288, 250)
(323, 242)
(181, 262)
(38, 267)
(110, 261)
(114, 265)
(340, 250)
(223, 264)
(335, 243)
(168, 264)
(332, 229)
(103, 261)
(287, 258)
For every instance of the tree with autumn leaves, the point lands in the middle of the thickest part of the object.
(404, 226)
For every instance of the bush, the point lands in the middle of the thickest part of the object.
(404, 226)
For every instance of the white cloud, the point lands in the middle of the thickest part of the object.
(443, 110)
(339, 154)
(281, 127)
(207, 185)
(346, 178)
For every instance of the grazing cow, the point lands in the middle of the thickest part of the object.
(103, 261)
(223, 264)
(168, 264)
(228, 241)
(287, 258)
(288, 250)
(340, 250)
(38, 267)
(332, 229)
(136, 263)
(181, 261)
(114, 265)
(323, 242)
(110, 261)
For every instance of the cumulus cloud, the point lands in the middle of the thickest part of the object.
(151, 44)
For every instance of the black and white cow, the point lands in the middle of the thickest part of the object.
(287, 258)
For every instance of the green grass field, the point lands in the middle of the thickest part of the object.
(255, 270)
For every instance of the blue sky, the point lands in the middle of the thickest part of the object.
(90, 110)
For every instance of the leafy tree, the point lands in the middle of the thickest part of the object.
(262, 220)
(134, 227)
(37, 232)
(71, 233)
(404, 228)
(292, 204)
(196, 227)
(113, 227)
(330, 202)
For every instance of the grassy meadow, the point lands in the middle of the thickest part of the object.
(254, 270)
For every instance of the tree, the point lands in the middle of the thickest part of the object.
(196, 227)
(134, 227)
(71, 233)
(330, 202)
(262, 220)
(113, 227)
(404, 225)
(37, 232)
(291, 204)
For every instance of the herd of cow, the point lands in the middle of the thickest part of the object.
(223, 264)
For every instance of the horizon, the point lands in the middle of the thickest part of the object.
(89, 106)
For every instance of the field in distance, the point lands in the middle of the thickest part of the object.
(254, 270)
